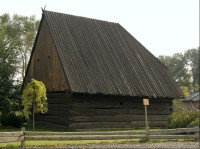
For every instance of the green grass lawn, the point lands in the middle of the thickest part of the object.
(64, 143)
(80, 142)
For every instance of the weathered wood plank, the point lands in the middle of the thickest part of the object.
(55, 119)
(118, 106)
(173, 136)
(11, 134)
(132, 124)
(51, 124)
(117, 118)
(87, 133)
(81, 97)
(174, 131)
(11, 139)
(57, 95)
(57, 113)
(98, 112)
(57, 101)
(86, 137)
(57, 107)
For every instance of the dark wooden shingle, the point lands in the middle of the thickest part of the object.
(100, 57)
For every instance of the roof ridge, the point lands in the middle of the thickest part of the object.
(61, 13)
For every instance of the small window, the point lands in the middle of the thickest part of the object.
(49, 56)
(38, 60)
(121, 103)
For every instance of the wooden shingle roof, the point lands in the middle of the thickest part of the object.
(100, 57)
(193, 97)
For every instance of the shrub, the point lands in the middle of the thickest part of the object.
(182, 119)
(144, 140)
(11, 119)
(194, 123)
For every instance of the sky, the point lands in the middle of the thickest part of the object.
(164, 27)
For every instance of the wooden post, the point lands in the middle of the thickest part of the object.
(197, 139)
(146, 103)
(23, 137)
(146, 122)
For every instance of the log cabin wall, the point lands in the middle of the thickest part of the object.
(45, 64)
(58, 109)
(97, 111)
(116, 112)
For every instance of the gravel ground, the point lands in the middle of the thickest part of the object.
(163, 145)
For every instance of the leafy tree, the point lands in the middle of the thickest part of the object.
(192, 61)
(34, 99)
(20, 35)
(8, 59)
(177, 67)
(23, 35)
(17, 34)
(185, 91)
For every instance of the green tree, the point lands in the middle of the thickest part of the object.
(185, 91)
(17, 34)
(8, 60)
(23, 35)
(20, 34)
(34, 99)
(192, 61)
(177, 67)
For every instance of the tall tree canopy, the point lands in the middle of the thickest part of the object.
(17, 34)
(8, 59)
(20, 32)
(192, 62)
(184, 68)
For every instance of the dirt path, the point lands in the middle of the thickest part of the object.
(163, 145)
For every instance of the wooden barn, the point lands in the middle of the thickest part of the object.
(96, 74)
(192, 102)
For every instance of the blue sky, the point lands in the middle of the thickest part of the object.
(164, 27)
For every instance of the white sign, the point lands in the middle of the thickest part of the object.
(145, 102)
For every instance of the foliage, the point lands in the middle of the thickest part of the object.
(194, 123)
(16, 40)
(184, 68)
(192, 59)
(11, 119)
(185, 91)
(34, 91)
(144, 140)
(7, 68)
(19, 35)
(182, 118)
(177, 104)
(176, 66)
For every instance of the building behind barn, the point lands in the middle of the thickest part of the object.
(192, 102)
(96, 74)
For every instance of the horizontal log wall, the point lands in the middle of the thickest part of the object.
(116, 112)
(83, 112)
(58, 109)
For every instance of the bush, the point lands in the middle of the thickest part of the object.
(11, 119)
(194, 123)
(183, 119)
